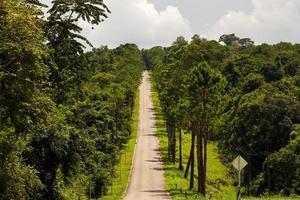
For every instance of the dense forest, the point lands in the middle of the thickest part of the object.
(246, 97)
(64, 114)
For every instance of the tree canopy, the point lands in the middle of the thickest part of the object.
(251, 106)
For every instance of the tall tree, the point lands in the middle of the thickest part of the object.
(205, 86)
(63, 33)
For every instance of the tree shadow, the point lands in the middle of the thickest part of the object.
(149, 135)
(160, 194)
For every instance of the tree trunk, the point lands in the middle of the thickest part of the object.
(203, 192)
(192, 159)
(204, 134)
(200, 159)
(169, 140)
(180, 150)
(173, 143)
(189, 162)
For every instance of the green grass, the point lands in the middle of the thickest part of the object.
(178, 186)
(272, 198)
(121, 179)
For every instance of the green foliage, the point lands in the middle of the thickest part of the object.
(284, 167)
(123, 168)
(153, 57)
(65, 115)
(190, 91)
(232, 40)
(258, 110)
(23, 102)
(64, 38)
(272, 73)
(204, 84)
(17, 180)
(252, 82)
(220, 186)
(260, 127)
(229, 39)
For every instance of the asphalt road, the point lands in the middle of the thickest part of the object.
(146, 181)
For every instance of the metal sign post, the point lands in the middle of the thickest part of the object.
(239, 163)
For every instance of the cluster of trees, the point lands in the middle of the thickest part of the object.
(190, 87)
(64, 114)
(242, 95)
(262, 116)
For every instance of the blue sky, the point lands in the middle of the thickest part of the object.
(158, 22)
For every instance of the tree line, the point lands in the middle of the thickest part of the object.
(244, 96)
(64, 114)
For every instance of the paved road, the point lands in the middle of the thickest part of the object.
(146, 182)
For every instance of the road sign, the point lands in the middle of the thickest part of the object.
(239, 163)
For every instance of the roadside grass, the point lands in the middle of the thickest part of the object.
(178, 186)
(123, 168)
(271, 198)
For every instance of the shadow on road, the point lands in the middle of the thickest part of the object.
(160, 194)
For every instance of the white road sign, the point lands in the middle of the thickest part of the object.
(239, 163)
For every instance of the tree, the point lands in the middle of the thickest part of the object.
(23, 101)
(230, 40)
(281, 168)
(252, 82)
(172, 82)
(204, 88)
(64, 38)
(64, 114)
(261, 104)
(153, 57)
(284, 166)
(246, 42)
(272, 73)
(259, 125)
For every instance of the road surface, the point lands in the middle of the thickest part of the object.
(146, 181)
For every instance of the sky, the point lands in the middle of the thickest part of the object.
(149, 23)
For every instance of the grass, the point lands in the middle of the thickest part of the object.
(121, 179)
(178, 186)
(272, 198)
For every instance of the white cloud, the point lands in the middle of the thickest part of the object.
(138, 21)
(270, 21)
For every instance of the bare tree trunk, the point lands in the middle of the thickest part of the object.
(192, 159)
(186, 172)
(169, 140)
(203, 192)
(173, 144)
(180, 150)
(200, 159)
(205, 138)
